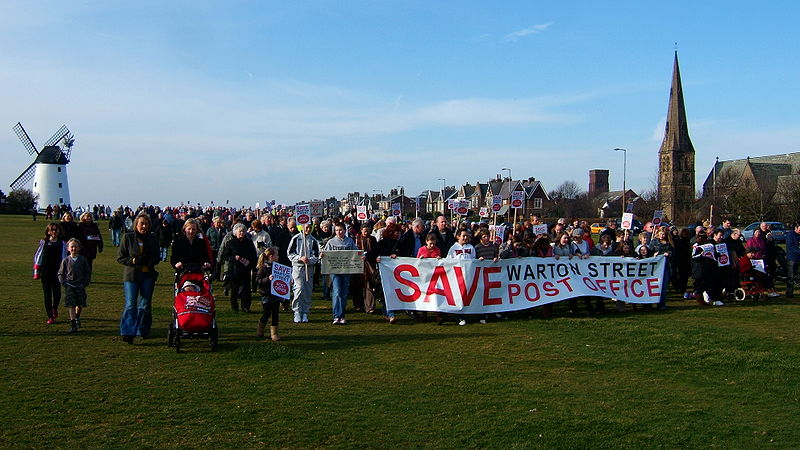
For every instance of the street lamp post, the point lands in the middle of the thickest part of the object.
(624, 175)
(509, 172)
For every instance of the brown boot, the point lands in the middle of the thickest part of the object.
(273, 334)
(260, 329)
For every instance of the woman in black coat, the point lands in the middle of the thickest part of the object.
(238, 256)
(139, 254)
(90, 237)
(189, 249)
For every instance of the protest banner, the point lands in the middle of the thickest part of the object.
(361, 212)
(485, 287)
(627, 221)
(303, 214)
(281, 280)
(342, 262)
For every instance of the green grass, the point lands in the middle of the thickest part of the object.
(688, 377)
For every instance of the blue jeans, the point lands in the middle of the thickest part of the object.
(115, 234)
(137, 315)
(662, 302)
(164, 253)
(341, 285)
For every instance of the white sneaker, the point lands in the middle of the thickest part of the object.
(483, 321)
(336, 321)
(297, 317)
(462, 322)
(304, 318)
(773, 294)
(718, 303)
(342, 321)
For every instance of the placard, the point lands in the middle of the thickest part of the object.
(539, 229)
(396, 211)
(452, 204)
(499, 233)
(497, 203)
(484, 212)
(758, 264)
(627, 221)
(658, 216)
(317, 209)
(303, 214)
(517, 199)
(724, 258)
(342, 262)
(361, 212)
(463, 207)
(281, 280)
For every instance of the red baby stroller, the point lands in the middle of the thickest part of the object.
(194, 310)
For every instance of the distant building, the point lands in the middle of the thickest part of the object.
(676, 194)
(774, 176)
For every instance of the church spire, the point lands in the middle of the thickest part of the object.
(676, 157)
(676, 134)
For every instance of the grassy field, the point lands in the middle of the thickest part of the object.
(687, 377)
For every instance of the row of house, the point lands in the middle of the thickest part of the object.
(435, 201)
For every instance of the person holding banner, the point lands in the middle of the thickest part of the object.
(462, 249)
(363, 296)
(387, 246)
(661, 245)
(269, 302)
(444, 236)
(340, 282)
(303, 251)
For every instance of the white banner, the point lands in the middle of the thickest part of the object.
(517, 199)
(480, 287)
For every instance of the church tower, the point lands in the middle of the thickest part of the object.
(676, 158)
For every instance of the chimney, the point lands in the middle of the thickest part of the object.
(598, 181)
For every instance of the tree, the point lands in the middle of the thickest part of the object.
(21, 200)
(569, 200)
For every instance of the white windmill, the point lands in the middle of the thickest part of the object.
(49, 169)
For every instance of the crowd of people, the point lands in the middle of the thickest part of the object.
(238, 247)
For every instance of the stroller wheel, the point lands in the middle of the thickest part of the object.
(739, 294)
(212, 338)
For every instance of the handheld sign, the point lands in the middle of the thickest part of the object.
(451, 204)
(396, 211)
(517, 198)
(627, 221)
(317, 209)
(758, 264)
(540, 229)
(658, 216)
(303, 214)
(497, 203)
(499, 233)
(281, 280)
(484, 212)
(463, 207)
(361, 212)
(723, 259)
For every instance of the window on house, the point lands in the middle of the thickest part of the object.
(59, 184)
(59, 169)
(537, 203)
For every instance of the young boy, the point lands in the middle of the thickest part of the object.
(462, 249)
(430, 250)
(74, 274)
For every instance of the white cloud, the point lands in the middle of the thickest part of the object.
(519, 34)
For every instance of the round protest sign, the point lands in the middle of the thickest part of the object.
(303, 219)
(495, 207)
(280, 287)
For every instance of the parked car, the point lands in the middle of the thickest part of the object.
(777, 230)
(598, 227)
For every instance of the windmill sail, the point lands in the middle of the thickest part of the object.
(24, 177)
(26, 140)
(58, 136)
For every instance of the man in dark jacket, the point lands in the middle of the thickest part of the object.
(412, 240)
(444, 236)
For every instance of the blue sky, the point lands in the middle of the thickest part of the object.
(252, 101)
